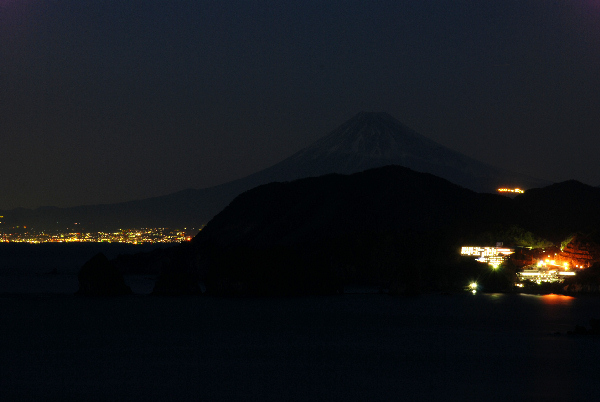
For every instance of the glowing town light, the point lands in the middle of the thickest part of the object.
(473, 285)
(566, 265)
(511, 190)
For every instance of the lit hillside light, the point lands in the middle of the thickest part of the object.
(511, 190)
(473, 285)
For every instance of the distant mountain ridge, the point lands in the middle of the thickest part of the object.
(386, 199)
(366, 141)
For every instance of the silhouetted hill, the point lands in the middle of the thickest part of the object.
(560, 209)
(391, 198)
(366, 141)
(382, 226)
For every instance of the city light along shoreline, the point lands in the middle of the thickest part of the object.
(129, 236)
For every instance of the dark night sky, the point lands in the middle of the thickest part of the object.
(107, 101)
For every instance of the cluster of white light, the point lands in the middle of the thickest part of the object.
(490, 255)
(544, 275)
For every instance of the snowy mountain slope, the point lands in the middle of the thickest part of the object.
(371, 140)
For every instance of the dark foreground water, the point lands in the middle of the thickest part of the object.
(350, 347)
(51, 268)
(355, 347)
(64, 258)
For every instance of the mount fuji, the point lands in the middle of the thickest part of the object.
(371, 140)
(366, 141)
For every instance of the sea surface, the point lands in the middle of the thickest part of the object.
(353, 347)
(51, 268)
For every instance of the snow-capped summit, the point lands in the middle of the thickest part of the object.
(370, 140)
(373, 135)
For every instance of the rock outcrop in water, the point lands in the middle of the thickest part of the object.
(99, 277)
(581, 330)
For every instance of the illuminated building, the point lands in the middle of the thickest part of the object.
(546, 270)
(542, 274)
(490, 255)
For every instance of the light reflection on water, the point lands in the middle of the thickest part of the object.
(557, 299)
(556, 351)
(551, 298)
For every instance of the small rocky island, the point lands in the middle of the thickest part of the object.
(99, 277)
